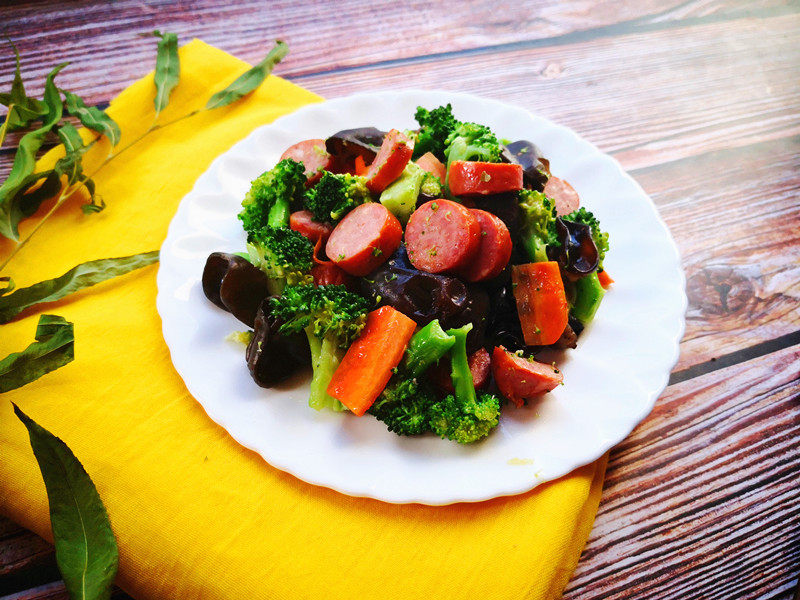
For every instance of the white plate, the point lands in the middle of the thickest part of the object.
(612, 380)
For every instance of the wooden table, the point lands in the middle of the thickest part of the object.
(700, 101)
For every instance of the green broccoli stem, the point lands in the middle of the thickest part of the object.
(325, 358)
(588, 295)
(459, 366)
(426, 347)
(279, 214)
(275, 285)
(534, 247)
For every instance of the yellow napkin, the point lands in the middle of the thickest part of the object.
(195, 514)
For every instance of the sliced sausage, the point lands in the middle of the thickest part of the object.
(314, 157)
(520, 379)
(392, 158)
(480, 363)
(563, 194)
(468, 178)
(327, 273)
(493, 252)
(303, 222)
(442, 235)
(428, 162)
(364, 239)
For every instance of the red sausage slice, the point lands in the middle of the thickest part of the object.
(390, 161)
(518, 378)
(442, 235)
(313, 155)
(468, 178)
(493, 252)
(364, 239)
(431, 164)
(328, 273)
(303, 222)
(480, 363)
(563, 194)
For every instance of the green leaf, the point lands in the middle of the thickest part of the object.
(71, 163)
(24, 109)
(93, 206)
(168, 68)
(86, 551)
(92, 117)
(26, 203)
(9, 285)
(54, 347)
(25, 160)
(80, 277)
(250, 80)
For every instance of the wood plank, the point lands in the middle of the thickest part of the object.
(101, 38)
(701, 500)
(20, 549)
(696, 100)
(734, 215)
(693, 95)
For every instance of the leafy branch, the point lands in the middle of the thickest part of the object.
(25, 190)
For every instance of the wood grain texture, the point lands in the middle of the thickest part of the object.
(699, 100)
(702, 499)
(324, 36)
(735, 216)
(708, 87)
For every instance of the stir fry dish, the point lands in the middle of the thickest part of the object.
(418, 273)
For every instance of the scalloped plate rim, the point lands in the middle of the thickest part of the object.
(654, 388)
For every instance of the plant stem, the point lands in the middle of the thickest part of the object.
(69, 190)
(5, 124)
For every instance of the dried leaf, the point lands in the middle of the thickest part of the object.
(250, 80)
(80, 277)
(168, 68)
(86, 551)
(54, 347)
(92, 117)
(25, 160)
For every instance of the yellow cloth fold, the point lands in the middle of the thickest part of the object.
(195, 514)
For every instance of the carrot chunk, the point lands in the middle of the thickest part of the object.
(367, 365)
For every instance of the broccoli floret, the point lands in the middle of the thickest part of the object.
(405, 403)
(431, 185)
(270, 196)
(464, 417)
(336, 195)
(404, 406)
(283, 254)
(401, 195)
(538, 229)
(471, 141)
(465, 422)
(599, 236)
(435, 127)
(332, 317)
